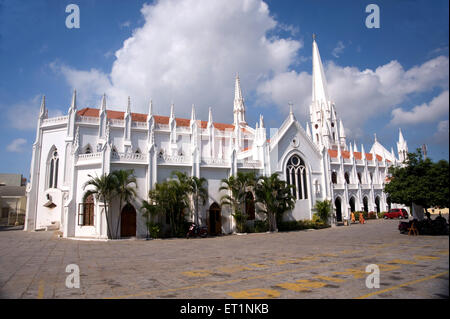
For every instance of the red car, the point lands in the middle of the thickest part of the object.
(396, 213)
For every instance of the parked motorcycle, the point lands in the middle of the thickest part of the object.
(195, 231)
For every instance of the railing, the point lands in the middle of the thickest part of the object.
(215, 161)
(249, 163)
(117, 122)
(139, 124)
(88, 119)
(89, 157)
(163, 126)
(55, 120)
(174, 159)
(185, 129)
(131, 157)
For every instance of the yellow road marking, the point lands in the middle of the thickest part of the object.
(357, 273)
(258, 265)
(443, 252)
(40, 294)
(426, 257)
(338, 280)
(302, 285)
(402, 261)
(257, 293)
(402, 285)
(233, 269)
(197, 273)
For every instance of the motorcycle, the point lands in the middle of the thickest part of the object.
(195, 231)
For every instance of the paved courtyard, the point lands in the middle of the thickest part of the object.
(327, 263)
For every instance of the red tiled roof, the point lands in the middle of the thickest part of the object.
(333, 153)
(357, 155)
(139, 117)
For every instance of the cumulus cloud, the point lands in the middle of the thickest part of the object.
(189, 52)
(359, 95)
(17, 145)
(424, 113)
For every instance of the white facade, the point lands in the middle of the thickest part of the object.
(89, 141)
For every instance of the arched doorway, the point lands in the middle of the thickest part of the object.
(214, 220)
(128, 221)
(337, 204)
(352, 204)
(250, 206)
(366, 204)
(377, 203)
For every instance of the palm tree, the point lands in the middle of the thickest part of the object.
(149, 211)
(123, 180)
(172, 199)
(195, 189)
(101, 187)
(276, 197)
(238, 187)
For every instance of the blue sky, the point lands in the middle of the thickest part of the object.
(381, 79)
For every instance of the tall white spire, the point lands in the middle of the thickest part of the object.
(172, 112)
(239, 106)
(193, 113)
(103, 103)
(42, 109)
(402, 147)
(319, 89)
(73, 105)
(129, 106)
(210, 118)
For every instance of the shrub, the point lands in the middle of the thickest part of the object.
(323, 209)
(372, 215)
(301, 224)
(381, 214)
(356, 215)
(261, 226)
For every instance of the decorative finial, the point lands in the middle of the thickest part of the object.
(314, 37)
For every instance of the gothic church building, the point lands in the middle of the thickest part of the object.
(316, 159)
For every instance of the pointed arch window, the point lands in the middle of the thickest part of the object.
(347, 177)
(296, 175)
(86, 211)
(334, 177)
(53, 165)
(88, 149)
(359, 177)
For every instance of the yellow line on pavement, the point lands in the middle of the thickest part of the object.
(40, 294)
(217, 283)
(402, 285)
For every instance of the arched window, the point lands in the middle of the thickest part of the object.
(347, 178)
(53, 164)
(359, 178)
(371, 178)
(296, 175)
(334, 177)
(88, 149)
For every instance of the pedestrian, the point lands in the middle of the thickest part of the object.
(361, 218)
(353, 217)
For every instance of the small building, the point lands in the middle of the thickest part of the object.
(13, 200)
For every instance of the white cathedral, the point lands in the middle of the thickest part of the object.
(316, 159)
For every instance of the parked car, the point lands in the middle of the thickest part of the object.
(396, 213)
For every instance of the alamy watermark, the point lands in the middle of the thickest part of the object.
(73, 280)
(73, 19)
(373, 19)
(373, 280)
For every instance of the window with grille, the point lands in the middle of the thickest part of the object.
(296, 175)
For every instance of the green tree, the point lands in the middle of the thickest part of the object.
(323, 209)
(276, 197)
(150, 212)
(124, 189)
(171, 198)
(196, 190)
(420, 181)
(238, 187)
(102, 187)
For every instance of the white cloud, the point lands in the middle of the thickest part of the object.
(359, 95)
(24, 114)
(189, 52)
(16, 145)
(442, 134)
(424, 113)
(338, 49)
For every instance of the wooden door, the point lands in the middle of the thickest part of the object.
(128, 221)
